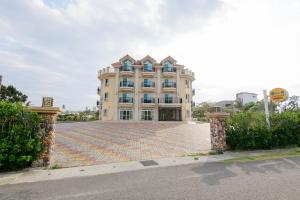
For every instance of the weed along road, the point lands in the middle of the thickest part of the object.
(265, 180)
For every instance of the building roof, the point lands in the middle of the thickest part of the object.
(246, 93)
(170, 59)
(148, 58)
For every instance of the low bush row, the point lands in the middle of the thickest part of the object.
(20, 143)
(248, 130)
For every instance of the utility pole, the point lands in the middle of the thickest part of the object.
(267, 108)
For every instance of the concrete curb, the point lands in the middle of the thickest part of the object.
(36, 175)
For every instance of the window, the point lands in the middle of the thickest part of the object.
(125, 114)
(126, 98)
(168, 67)
(168, 98)
(187, 98)
(147, 115)
(126, 83)
(169, 83)
(187, 84)
(127, 66)
(106, 82)
(148, 83)
(105, 111)
(148, 66)
(148, 98)
(105, 96)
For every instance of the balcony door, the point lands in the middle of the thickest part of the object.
(169, 114)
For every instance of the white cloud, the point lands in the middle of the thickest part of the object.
(54, 48)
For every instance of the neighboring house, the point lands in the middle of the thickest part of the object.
(246, 97)
(225, 103)
(145, 90)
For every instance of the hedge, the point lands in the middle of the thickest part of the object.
(20, 143)
(249, 131)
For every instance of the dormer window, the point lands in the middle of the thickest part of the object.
(168, 67)
(148, 66)
(127, 65)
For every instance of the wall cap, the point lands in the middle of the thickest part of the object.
(45, 110)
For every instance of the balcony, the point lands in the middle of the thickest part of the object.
(147, 102)
(148, 86)
(169, 87)
(170, 102)
(186, 73)
(126, 71)
(126, 101)
(169, 71)
(148, 72)
(126, 86)
(106, 72)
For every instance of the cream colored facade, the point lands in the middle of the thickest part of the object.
(145, 89)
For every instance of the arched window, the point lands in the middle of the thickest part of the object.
(168, 66)
(148, 66)
(127, 98)
(127, 66)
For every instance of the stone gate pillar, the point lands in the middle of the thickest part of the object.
(47, 131)
(217, 130)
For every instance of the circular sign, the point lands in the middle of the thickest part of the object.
(278, 95)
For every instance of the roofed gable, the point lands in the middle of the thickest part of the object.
(127, 57)
(148, 58)
(169, 58)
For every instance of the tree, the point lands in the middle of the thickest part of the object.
(248, 106)
(198, 111)
(292, 104)
(238, 104)
(11, 94)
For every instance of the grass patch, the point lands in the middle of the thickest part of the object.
(263, 157)
(56, 167)
(209, 153)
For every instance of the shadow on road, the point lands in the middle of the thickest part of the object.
(213, 173)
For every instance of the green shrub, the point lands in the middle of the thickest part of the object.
(20, 143)
(248, 130)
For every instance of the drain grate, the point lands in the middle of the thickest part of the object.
(148, 163)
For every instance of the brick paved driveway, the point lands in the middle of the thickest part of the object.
(89, 143)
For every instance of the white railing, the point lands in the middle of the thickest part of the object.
(187, 72)
(106, 70)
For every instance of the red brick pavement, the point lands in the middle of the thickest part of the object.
(89, 143)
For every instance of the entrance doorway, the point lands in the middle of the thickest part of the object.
(169, 114)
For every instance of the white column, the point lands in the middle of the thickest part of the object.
(158, 91)
(136, 93)
(178, 71)
(158, 85)
(116, 115)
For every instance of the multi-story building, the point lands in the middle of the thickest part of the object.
(246, 97)
(145, 90)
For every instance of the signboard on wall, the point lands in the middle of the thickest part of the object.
(278, 95)
(47, 102)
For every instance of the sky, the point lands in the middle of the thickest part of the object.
(56, 47)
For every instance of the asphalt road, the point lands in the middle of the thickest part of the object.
(275, 179)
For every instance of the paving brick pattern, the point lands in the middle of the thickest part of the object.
(90, 143)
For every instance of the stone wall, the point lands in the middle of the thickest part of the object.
(47, 131)
(217, 130)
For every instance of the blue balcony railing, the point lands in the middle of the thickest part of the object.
(169, 85)
(148, 100)
(126, 84)
(126, 100)
(148, 84)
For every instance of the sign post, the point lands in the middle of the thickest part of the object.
(267, 108)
